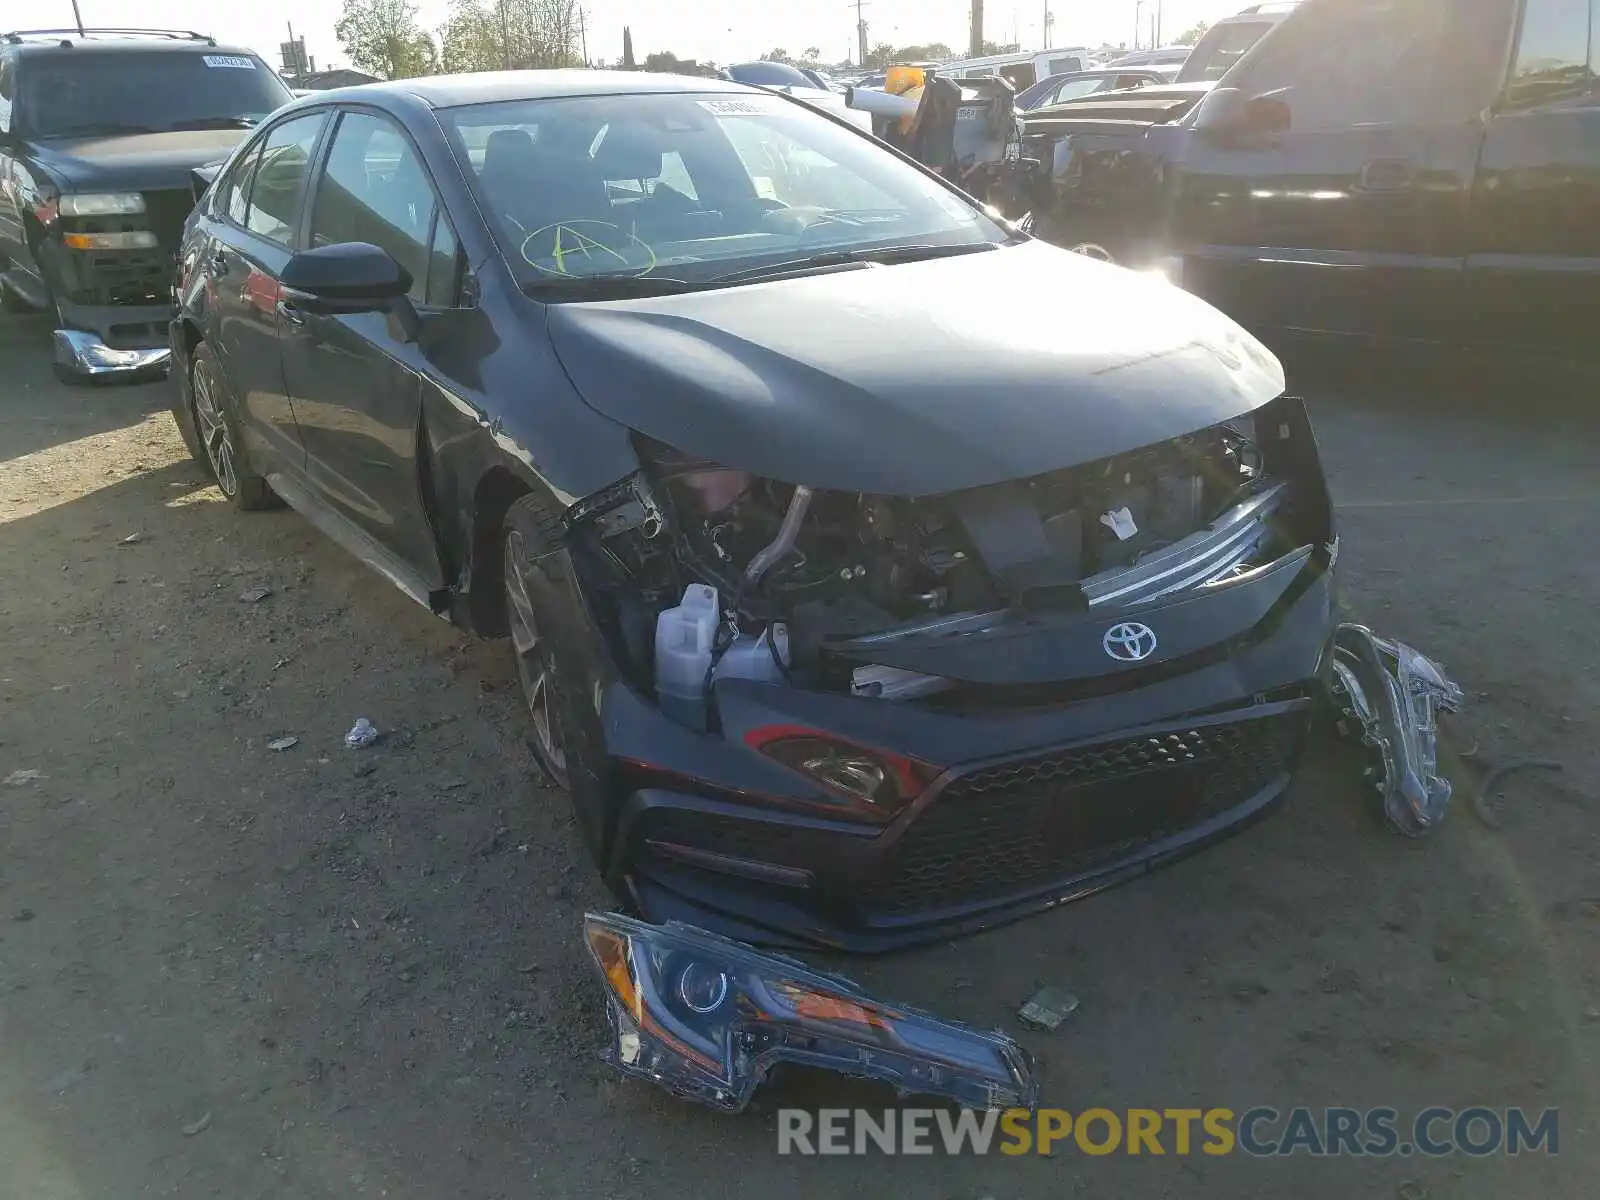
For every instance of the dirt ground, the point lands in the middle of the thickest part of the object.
(238, 972)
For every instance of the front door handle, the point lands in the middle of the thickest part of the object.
(1386, 175)
(290, 313)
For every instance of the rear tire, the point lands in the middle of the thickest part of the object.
(220, 437)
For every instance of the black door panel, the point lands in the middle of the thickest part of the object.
(356, 384)
(1353, 219)
(1533, 265)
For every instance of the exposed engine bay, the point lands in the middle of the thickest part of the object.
(710, 571)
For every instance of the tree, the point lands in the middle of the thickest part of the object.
(1191, 36)
(627, 50)
(494, 35)
(383, 37)
(998, 48)
(882, 55)
(470, 39)
(811, 59)
(932, 52)
(777, 56)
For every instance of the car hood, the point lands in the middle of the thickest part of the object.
(918, 378)
(134, 162)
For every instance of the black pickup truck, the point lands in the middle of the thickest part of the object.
(99, 132)
(1420, 170)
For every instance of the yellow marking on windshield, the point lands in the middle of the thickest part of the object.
(563, 240)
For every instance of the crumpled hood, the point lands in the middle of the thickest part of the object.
(137, 162)
(918, 378)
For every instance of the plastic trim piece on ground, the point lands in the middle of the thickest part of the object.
(1395, 695)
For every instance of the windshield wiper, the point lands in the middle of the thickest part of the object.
(216, 123)
(606, 287)
(842, 258)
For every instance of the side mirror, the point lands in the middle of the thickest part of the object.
(347, 277)
(1227, 115)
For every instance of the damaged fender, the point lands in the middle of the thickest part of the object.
(1395, 694)
(707, 1018)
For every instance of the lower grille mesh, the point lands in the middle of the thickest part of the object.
(1006, 829)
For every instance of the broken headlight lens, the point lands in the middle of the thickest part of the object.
(707, 1018)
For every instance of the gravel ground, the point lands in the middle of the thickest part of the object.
(228, 970)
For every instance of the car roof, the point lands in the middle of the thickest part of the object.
(68, 42)
(486, 87)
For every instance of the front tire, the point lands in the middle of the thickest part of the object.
(559, 661)
(217, 428)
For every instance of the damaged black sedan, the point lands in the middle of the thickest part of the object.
(858, 598)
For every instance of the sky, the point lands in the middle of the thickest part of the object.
(721, 31)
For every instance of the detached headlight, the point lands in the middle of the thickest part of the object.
(101, 204)
(707, 1018)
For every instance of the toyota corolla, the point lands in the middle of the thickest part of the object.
(857, 599)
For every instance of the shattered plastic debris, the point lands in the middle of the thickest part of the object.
(283, 743)
(133, 539)
(1048, 1008)
(255, 595)
(1120, 521)
(1395, 695)
(707, 1018)
(18, 778)
(363, 733)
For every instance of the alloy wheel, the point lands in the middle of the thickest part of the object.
(213, 429)
(534, 666)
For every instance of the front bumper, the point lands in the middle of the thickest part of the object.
(84, 354)
(1035, 807)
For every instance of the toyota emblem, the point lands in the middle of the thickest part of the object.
(1129, 642)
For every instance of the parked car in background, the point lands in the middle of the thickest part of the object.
(1166, 56)
(1226, 42)
(98, 133)
(1058, 89)
(792, 81)
(849, 612)
(1024, 69)
(1425, 170)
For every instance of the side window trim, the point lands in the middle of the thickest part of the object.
(240, 162)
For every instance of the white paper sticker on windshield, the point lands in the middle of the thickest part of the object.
(237, 61)
(753, 106)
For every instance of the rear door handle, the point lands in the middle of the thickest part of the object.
(219, 263)
(1386, 175)
(290, 313)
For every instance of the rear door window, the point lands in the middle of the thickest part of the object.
(1552, 53)
(278, 193)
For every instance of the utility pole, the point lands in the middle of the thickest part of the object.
(1049, 20)
(583, 34)
(975, 38)
(505, 36)
(861, 30)
(1155, 45)
(1138, 8)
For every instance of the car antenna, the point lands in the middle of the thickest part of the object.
(78, 17)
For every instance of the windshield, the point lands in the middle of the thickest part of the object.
(1220, 49)
(70, 95)
(692, 187)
